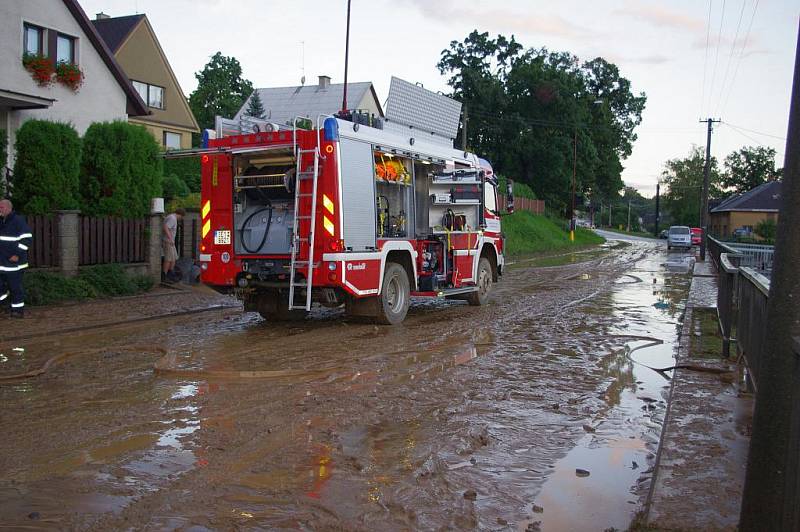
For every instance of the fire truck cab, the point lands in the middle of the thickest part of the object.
(345, 213)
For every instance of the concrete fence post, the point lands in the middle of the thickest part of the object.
(153, 256)
(68, 227)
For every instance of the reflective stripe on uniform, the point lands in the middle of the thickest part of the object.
(16, 238)
(2, 297)
(13, 268)
(23, 247)
(17, 305)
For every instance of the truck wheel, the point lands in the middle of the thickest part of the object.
(395, 295)
(274, 306)
(484, 284)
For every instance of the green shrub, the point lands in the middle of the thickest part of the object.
(109, 280)
(47, 167)
(43, 288)
(103, 280)
(766, 229)
(192, 201)
(187, 169)
(521, 190)
(121, 170)
(174, 187)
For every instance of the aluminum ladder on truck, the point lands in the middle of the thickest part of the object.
(302, 175)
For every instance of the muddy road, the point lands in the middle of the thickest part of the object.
(535, 411)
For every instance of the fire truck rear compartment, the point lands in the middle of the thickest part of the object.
(263, 205)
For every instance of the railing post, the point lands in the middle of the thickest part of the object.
(153, 255)
(67, 228)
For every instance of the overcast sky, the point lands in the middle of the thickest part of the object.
(688, 68)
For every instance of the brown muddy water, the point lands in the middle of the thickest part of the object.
(535, 411)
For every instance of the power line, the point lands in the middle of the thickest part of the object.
(745, 135)
(730, 56)
(741, 56)
(756, 132)
(716, 59)
(705, 59)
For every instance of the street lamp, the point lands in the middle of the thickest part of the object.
(574, 172)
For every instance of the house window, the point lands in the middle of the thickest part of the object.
(156, 96)
(34, 40)
(65, 49)
(172, 141)
(153, 95)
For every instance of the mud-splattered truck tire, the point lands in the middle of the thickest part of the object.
(395, 295)
(484, 283)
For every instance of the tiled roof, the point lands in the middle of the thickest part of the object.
(283, 104)
(765, 197)
(115, 30)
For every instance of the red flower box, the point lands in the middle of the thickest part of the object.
(40, 67)
(69, 75)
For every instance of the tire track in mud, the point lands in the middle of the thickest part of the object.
(394, 427)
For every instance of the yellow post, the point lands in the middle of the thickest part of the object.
(571, 235)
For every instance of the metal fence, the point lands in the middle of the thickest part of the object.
(727, 304)
(751, 325)
(756, 256)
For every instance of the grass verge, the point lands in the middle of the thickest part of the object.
(105, 280)
(531, 233)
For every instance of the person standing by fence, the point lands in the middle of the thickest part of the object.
(170, 229)
(15, 240)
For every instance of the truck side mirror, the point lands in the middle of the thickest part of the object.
(510, 196)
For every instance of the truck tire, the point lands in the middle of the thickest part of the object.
(395, 295)
(273, 305)
(484, 283)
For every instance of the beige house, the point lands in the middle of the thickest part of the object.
(745, 211)
(134, 44)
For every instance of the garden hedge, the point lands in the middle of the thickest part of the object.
(47, 167)
(121, 170)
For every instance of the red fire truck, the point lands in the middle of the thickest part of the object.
(347, 214)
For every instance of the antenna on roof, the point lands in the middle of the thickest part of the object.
(346, 53)
(303, 62)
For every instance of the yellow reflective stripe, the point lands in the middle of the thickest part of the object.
(327, 203)
(206, 208)
(206, 228)
(328, 225)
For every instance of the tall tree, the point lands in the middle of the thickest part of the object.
(540, 115)
(684, 181)
(749, 167)
(221, 90)
(255, 107)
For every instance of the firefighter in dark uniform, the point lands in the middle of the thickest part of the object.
(15, 239)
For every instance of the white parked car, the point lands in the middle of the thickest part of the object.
(679, 236)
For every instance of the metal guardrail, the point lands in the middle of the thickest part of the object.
(756, 256)
(727, 288)
(751, 324)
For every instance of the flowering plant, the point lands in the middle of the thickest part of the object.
(69, 75)
(40, 67)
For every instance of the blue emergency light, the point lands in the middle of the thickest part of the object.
(331, 130)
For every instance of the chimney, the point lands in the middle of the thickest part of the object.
(101, 16)
(324, 82)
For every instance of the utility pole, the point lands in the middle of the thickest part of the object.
(655, 233)
(346, 54)
(574, 172)
(704, 200)
(772, 482)
(629, 215)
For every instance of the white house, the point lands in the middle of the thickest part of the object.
(58, 31)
